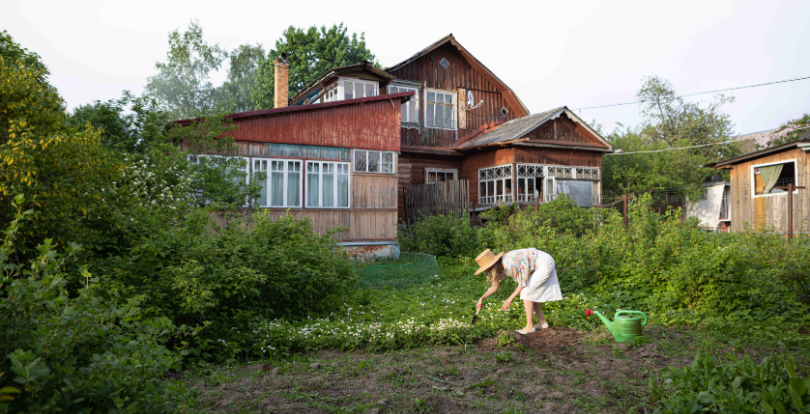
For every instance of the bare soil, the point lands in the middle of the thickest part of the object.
(553, 370)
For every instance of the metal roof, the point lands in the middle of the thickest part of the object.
(517, 128)
(405, 96)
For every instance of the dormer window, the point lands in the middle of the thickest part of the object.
(352, 88)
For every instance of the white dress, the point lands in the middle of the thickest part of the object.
(543, 285)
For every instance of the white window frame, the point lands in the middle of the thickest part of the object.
(269, 182)
(320, 184)
(455, 108)
(382, 153)
(753, 177)
(491, 199)
(415, 97)
(342, 87)
(440, 170)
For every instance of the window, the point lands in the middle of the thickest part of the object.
(235, 169)
(327, 184)
(374, 161)
(436, 175)
(356, 88)
(767, 177)
(410, 109)
(330, 95)
(495, 184)
(581, 192)
(282, 188)
(440, 109)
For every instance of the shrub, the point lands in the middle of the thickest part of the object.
(736, 386)
(444, 235)
(84, 353)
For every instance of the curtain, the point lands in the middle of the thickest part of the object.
(312, 188)
(277, 189)
(769, 176)
(343, 190)
(293, 189)
(329, 186)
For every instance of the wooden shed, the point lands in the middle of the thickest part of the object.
(756, 199)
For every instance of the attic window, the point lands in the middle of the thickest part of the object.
(504, 111)
(444, 63)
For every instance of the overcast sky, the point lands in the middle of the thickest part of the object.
(574, 53)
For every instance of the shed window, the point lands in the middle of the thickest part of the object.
(437, 175)
(766, 178)
(327, 184)
(440, 109)
(410, 109)
(374, 161)
(282, 187)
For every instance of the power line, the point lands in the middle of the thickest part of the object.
(700, 93)
(693, 146)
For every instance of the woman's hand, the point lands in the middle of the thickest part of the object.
(479, 305)
(506, 304)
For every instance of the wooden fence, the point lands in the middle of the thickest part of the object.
(432, 199)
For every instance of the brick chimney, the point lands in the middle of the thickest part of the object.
(282, 86)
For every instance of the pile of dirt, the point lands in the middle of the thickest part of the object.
(564, 342)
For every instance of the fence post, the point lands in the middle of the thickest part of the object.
(790, 187)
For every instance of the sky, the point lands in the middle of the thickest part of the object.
(573, 53)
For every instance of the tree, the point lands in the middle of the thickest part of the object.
(237, 91)
(787, 132)
(183, 83)
(310, 52)
(669, 123)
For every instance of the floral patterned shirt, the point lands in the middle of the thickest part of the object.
(520, 264)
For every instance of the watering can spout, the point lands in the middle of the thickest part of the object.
(606, 321)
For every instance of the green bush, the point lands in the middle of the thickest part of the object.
(443, 235)
(710, 385)
(92, 352)
(232, 271)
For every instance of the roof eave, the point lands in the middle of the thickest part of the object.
(754, 155)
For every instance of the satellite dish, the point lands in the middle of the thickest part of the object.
(470, 98)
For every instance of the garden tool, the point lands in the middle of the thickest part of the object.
(475, 317)
(626, 324)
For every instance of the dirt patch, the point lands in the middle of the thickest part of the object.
(563, 342)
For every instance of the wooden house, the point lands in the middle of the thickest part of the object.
(366, 133)
(333, 162)
(756, 199)
(463, 122)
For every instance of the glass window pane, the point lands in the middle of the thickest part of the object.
(277, 188)
(358, 90)
(373, 161)
(294, 189)
(328, 185)
(431, 97)
(431, 178)
(482, 189)
(413, 110)
(441, 176)
(313, 187)
(490, 188)
(440, 116)
(508, 186)
(360, 161)
(448, 117)
(499, 187)
(404, 112)
(348, 90)
(530, 186)
(388, 162)
(429, 121)
(343, 189)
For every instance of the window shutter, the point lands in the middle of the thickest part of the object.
(462, 114)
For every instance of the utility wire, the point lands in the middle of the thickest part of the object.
(699, 93)
(693, 146)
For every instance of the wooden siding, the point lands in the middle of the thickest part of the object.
(480, 160)
(553, 156)
(771, 210)
(368, 125)
(563, 129)
(360, 225)
(374, 191)
(458, 75)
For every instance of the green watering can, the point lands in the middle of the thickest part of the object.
(626, 324)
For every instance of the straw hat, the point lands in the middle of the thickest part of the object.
(486, 260)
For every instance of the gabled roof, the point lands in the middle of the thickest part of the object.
(513, 131)
(802, 142)
(509, 95)
(363, 66)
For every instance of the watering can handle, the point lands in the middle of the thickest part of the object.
(643, 324)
